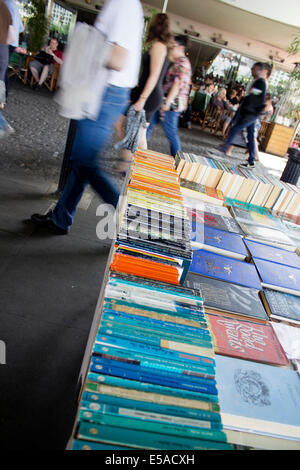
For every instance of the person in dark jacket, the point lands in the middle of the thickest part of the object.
(250, 109)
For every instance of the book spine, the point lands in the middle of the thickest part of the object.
(152, 407)
(201, 371)
(141, 374)
(146, 321)
(151, 330)
(155, 351)
(154, 427)
(145, 440)
(149, 415)
(155, 340)
(202, 400)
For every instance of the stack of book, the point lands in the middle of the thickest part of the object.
(150, 376)
(153, 240)
(151, 381)
(240, 184)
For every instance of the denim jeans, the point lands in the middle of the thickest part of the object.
(170, 127)
(92, 138)
(245, 123)
(3, 122)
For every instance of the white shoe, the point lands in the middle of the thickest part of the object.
(6, 131)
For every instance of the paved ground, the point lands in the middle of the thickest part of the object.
(50, 284)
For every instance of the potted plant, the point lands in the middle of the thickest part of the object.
(37, 24)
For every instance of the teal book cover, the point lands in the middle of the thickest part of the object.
(260, 397)
(272, 253)
(278, 276)
(225, 268)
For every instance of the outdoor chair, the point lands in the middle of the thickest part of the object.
(51, 81)
(17, 67)
(199, 106)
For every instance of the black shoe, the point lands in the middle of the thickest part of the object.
(247, 165)
(47, 221)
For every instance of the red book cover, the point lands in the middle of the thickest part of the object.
(246, 340)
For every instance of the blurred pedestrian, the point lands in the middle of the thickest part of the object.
(122, 24)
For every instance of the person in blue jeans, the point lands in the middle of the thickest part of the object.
(176, 90)
(249, 111)
(122, 23)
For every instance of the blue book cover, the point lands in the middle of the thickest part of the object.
(217, 241)
(152, 407)
(211, 401)
(154, 350)
(278, 276)
(224, 268)
(261, 397)
(272, 253)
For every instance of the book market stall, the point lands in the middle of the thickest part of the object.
(195, 338)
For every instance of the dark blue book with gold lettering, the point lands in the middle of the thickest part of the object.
(225, 268)
(272, 253)
(278, 276)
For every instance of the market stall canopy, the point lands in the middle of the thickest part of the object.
(230, 15)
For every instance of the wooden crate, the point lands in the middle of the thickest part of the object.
(277, 139)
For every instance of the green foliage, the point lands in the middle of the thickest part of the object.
(37, 24)
(151, 12)
(293, 50)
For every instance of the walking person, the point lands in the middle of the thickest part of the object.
(6, 34)
(249, 111)
(18, 27)
(177, 90)
(122, 24)
(148, 95)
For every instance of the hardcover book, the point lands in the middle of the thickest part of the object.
(217, 241)
(224, 268)
(220, 296)
(274, 254)
(281, 306)
(246, 340)
(259, 399)
(253, 217)
(278, 276)
(227, 224)
(268, 236)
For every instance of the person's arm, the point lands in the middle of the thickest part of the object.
(174, 90)
(57, 59)
(157, 57)
(117, 58)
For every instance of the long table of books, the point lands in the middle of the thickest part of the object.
(195, 343)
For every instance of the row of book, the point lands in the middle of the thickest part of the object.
(254, 321)
(151, 380)
(251, 221)
(245, 185)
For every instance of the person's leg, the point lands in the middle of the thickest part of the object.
(3, 122)
(170, 126)
(251, 142)
(44, 74)
(65, 208)
(143, 138)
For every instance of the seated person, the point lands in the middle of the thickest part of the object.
(219, 100)
(43, 65)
